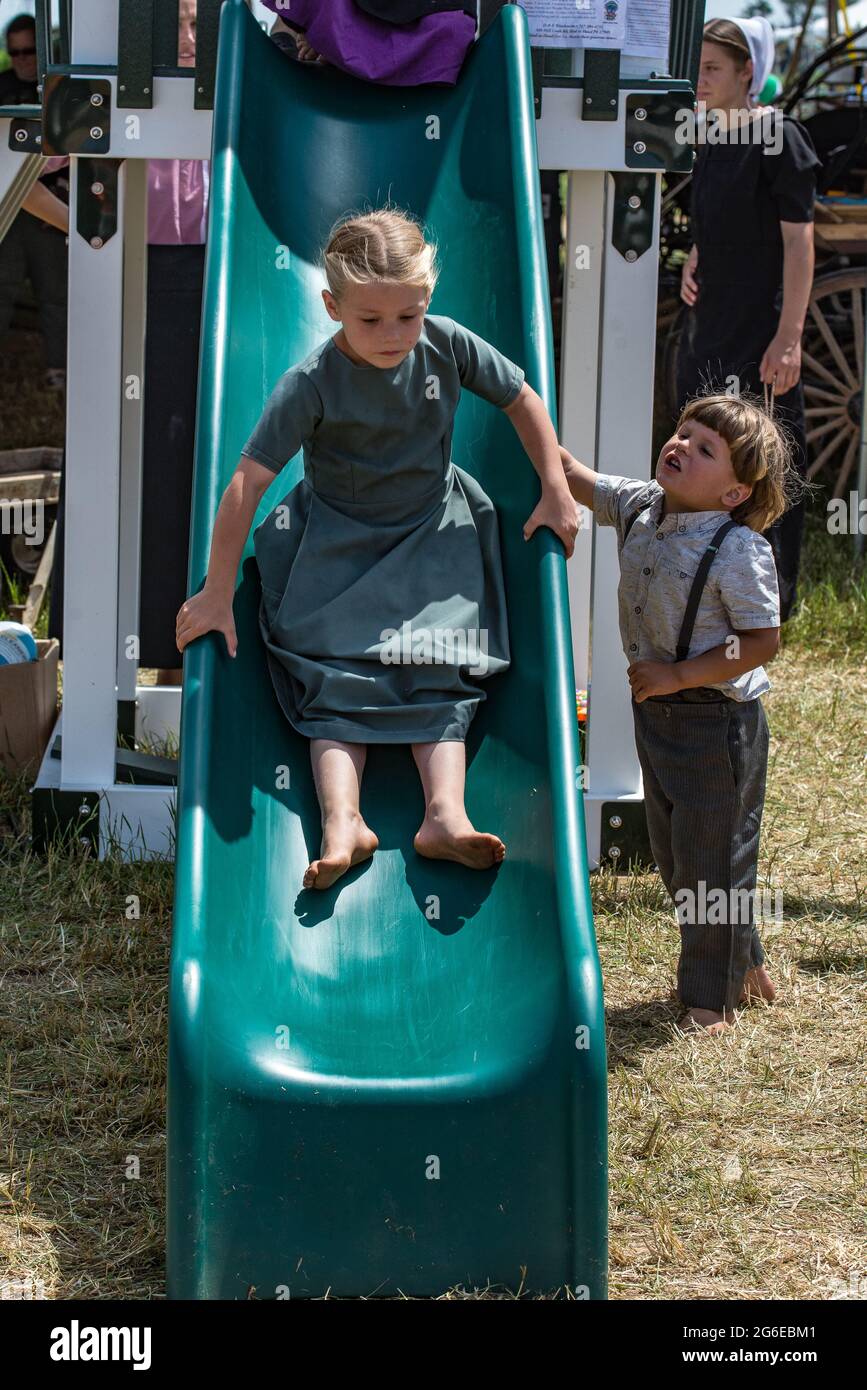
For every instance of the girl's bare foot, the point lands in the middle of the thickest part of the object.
(758, 985)
(346, 841)
(455, 837)
(706, 1021)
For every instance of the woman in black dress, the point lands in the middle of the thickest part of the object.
(750, 271)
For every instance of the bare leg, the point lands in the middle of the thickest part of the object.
(346, 839)
(446, 831)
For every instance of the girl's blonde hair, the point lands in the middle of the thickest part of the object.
(386, 245)
(761, 452)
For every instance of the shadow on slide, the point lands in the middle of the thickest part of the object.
(398, 1084)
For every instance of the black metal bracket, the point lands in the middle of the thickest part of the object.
(135, 54)
(25, 136)
(207, 39)
(632, 220)
(76, 115)
(537, 60)
(62, 816)
(601, 84)
(624, 841)
(652, 125)
(96, 203)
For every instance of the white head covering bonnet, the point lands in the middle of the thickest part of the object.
(760, 38)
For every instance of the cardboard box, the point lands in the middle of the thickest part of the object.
(28, 708)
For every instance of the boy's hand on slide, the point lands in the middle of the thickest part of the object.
(206, 612)
(558, 510)
(653, 678)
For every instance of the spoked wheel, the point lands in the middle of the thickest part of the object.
(832, 354)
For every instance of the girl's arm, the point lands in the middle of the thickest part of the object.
(688, 282)
(782, 356)
(556, 508)
(210, 610)
(42, 203)
(754, 648)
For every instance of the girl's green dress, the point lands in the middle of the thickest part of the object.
(383, 603)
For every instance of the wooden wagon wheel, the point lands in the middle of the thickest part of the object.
(832, 352)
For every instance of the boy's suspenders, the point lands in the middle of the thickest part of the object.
(698, 582)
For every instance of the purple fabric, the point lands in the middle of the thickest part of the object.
(430, 50)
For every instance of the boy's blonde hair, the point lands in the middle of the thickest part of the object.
(761, 453)
(386, 245)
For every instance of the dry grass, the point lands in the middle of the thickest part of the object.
(737, 1164)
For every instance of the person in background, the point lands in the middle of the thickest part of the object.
(177, 226)
(748, 277)
(399, 43)
(35, 245)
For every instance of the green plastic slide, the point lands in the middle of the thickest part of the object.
(398, 1084)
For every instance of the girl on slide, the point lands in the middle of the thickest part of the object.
(382, 587)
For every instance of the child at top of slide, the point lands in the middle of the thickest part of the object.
(382, 587)
(699, 616)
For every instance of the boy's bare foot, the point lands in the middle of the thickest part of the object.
(706, 1021)
(758, 985)
(346, 841)
(456, 838)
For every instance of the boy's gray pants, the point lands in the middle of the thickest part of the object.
(704, 758)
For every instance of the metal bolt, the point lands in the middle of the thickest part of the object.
(147, 91)
(631, 255)
(96, 99)
(83, 809)
(588, 101)
(639, 147)
(614, 852)
(21, 136)
(640, 113)
(613, 101)
(615, 822)
(97, 188)
(634, 200)
(96, 132)
(200, 89)
(122, 87)
(39, 139)
(96, 242)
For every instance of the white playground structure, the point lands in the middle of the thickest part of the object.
(120, 99)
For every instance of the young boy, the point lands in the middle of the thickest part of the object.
(699, 617)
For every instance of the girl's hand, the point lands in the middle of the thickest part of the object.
(653, 678)
(688, 284)
(558, 510)
(206, 612)
(781, 363)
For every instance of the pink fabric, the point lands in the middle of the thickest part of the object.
(178, 201)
